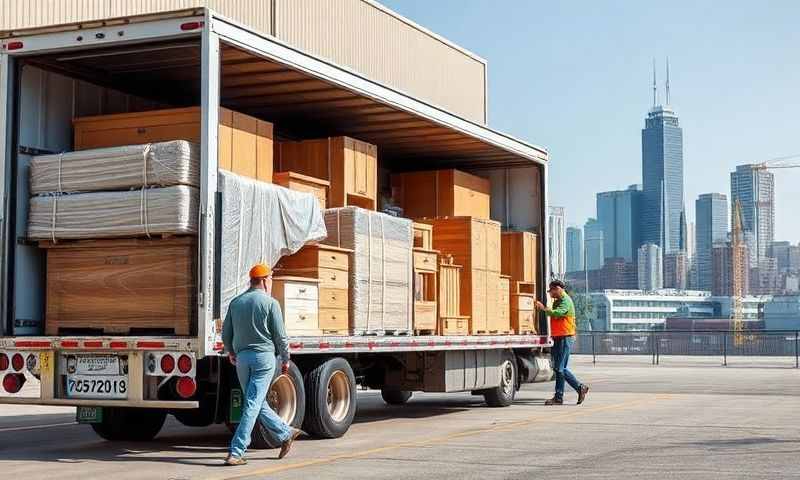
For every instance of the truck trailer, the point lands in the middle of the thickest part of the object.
(125, 385)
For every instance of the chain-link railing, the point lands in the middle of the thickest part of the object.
(760, 343)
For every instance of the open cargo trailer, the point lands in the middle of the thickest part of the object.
(48, 77)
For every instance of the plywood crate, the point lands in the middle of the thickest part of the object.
(330, 266)
(121, 286)
(245, 142)
(523, 313)
(350, 165)
(439, 193)
(520, 260)
(299, 299)
(303, 183)
(475, 244)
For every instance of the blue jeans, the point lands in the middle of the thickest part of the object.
(255, 371)
(560, 353)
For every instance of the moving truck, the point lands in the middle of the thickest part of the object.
(49, 76)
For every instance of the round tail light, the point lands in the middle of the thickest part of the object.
(3, 362)
(13, 382)
(184, 364)
(17, 362)
(186, 387)
(167, 364)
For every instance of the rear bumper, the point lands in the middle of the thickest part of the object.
(66, 402)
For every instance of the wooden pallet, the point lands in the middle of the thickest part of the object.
(425, 332)
(493, 332)
(336, 333)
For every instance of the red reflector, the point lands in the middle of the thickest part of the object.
(149, 344)
(14, 45)
(185, 364)
(69, 344)
(13, 382)
(119, 345)
(324, 345)
(167, 364)
(219, 346)
(191, 26)
(3, 362)
(92, 344)
(186, 387)
(32, 344)
(296, 346)
(17, 362)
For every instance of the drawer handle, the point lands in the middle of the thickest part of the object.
(302, 290)
(333, 257)
(302, 317)
(333, 276)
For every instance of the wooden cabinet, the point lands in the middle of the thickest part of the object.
(330, 266)
(299, 299)
(520, 260)
(350, 165)
(244, 142)
(425, 291)
(475, 244)
(523, 313)
(121, 286)
(439, 193)
(303, 183)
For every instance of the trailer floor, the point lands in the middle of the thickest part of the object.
(687, 420)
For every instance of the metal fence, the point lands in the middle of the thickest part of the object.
(750, 343)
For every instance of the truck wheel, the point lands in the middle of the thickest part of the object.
(395, 397)
(503, 395)
(130, 424)
(331, 389)
(287, 397)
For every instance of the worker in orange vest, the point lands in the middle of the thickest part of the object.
(562, 329)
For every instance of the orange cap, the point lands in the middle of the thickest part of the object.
(259, 270)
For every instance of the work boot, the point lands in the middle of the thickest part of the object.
(554, 401)
(233, 461)
(582, 393)
(287, 445)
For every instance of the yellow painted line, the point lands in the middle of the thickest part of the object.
(444, 438)
(36, 427)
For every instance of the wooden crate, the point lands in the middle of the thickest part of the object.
(304, 183)
(523, 313)
(439, 193)
(449, 288)
(245, 142)
(501, 323)
(299, 299)
(350, 165)
(121, 286)
(475, 244)
(455, 325)
(425, 291)
(330, 266)
(520, 260)
(423, 236)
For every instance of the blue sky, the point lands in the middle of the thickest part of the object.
(575, 77)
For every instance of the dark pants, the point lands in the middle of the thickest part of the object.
(560, 352)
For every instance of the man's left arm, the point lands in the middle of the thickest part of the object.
(279, 338)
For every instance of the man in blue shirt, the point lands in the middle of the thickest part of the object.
(253, 333)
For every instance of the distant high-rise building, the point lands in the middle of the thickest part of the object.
(616, 274)
(574, 249)
(651, 266)
(754, 188)
(711, 210)
(787, 256)
(676, 271)
(557, 242)
(691, 245)
(662, 176)
(764, 277)
(723, 257)
(618, 213)
(593, 243)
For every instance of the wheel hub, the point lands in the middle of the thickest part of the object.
(338, 396)
(507, 377)
(282, 398)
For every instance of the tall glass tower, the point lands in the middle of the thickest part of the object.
(662, 176)
(711, 210)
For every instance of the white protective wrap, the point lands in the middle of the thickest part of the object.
(133, 213)
(261, 222)
(382, 269)
(159, 164)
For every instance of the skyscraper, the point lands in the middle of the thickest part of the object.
(651, 265)
(724, 257)
(557, 242)
(676, 271)
(593, 238)
(755, 190)
(662, 175)
(618, 213)
(711, 210)
(574, 249)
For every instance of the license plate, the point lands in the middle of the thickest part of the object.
(97, 386)
(94, 365)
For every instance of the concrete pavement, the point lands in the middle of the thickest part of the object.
(640, 421)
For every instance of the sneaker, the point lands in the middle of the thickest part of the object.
(554, 401)
(582, 393)
(233, 461)
(287, 445)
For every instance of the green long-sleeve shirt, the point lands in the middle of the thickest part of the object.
(254, 322)
(562, 317)
(563, 307)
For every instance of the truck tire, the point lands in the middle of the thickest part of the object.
(503, 394)
(130, 424)
(331, 388)
(395, 397)
(287, 397)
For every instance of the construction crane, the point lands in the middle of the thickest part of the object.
(739, 254)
